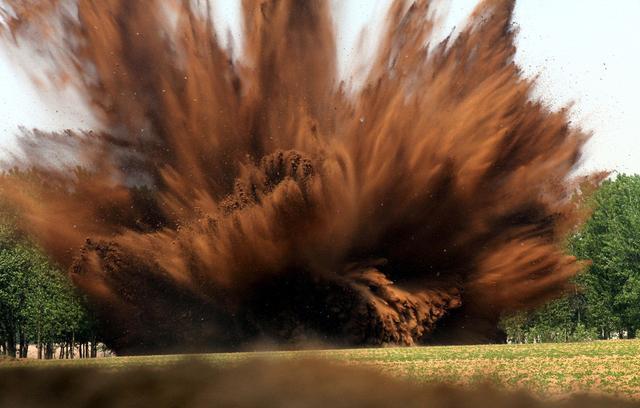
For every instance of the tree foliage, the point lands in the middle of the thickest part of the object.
(607, 300)
(38, 305)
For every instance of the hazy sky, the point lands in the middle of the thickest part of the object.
(584, 51)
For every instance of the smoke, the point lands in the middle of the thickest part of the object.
(227, 200)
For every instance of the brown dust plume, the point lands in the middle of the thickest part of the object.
(227, 200)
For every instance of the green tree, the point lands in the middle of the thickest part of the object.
(16, 271)
(607, 299)
(611, 241)
(38, 304)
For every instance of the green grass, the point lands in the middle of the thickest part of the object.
(611, 367)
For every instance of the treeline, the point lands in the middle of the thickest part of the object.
(606, 301)
(38, 305)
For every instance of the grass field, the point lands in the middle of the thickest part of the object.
(611, 367)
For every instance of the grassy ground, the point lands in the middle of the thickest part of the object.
(611, 367)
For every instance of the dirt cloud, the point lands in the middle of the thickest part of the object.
(226, 200)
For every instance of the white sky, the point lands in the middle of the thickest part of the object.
(585, 51)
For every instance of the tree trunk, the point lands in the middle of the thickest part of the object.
(11, 345)
(48, 353)
(24, 346)
(39, 342)
(94, 348)
(73, 341)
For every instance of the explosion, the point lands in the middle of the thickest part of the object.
(228, 200)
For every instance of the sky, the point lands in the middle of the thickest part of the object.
(584, 52)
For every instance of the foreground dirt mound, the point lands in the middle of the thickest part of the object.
(254, 384)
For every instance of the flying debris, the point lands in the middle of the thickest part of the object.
(225, 200)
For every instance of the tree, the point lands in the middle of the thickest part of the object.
(557, 321)
(611, 241)
(38, 303)
(607, 298)
(16, 271)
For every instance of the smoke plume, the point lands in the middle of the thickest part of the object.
(225, 200)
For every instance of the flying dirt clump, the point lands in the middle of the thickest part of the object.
(227, 200)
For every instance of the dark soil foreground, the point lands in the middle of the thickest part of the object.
(254, 384)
